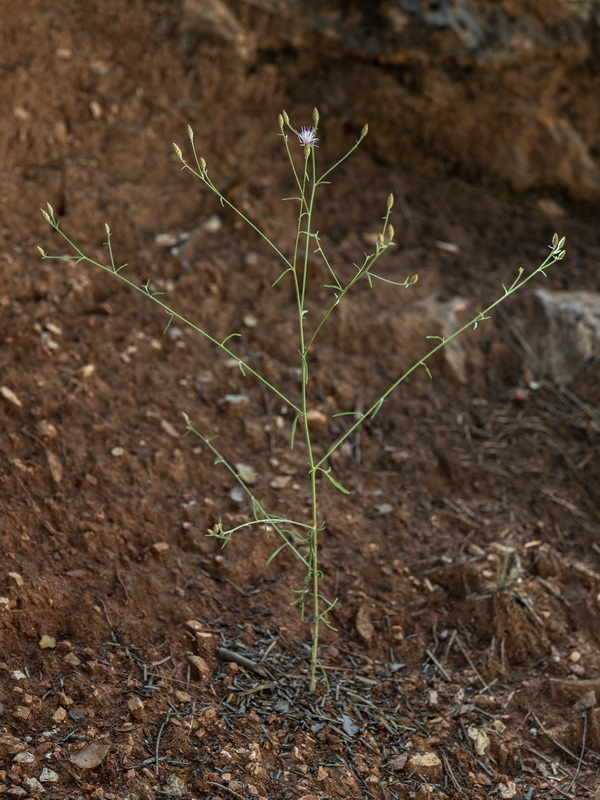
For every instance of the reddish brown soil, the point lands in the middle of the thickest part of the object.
(104, 505)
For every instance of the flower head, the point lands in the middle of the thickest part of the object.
(306, 136)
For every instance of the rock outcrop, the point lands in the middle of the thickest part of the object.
(504, 92)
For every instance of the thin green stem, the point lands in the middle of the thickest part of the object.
(203, 176)
(362, 271)
(144, 290)
(554, 256)
(273, 521)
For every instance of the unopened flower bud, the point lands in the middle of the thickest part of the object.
(315, 117)
(286, 119)
(390, 232)
(107, 229)
(41, 251)
(364, 131)
(280, 122)
(177, 149)
(390, 202)
(202, 164)
(190, 133)
(50, 209)
(380, 241)
(45, 215)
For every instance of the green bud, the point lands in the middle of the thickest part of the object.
(41, 252)
(50, 210)
(178, 152)
(46, 215)
(286, 119)
(190, 133)
(390, 202)
(390, 232)
(202, 164)
(380, 241)
(316, 117)
(107, 229)
(280, 122)
(364, 131)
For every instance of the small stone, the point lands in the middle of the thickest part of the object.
(48, 776)
(507, 790)
(9, 395)
(71, 659)
(160, 547)
(16, 578)
(237, 494)
(22, 712)
(53, 328)
(4, 604)
(427, 766)
(59, 715)
(34, 785)
(24, 757)
(46, 429)
(136, 707)
(280, 481)
(317, 421)
(47, 642)
(246, 473)
(175, 787)
(87, 370)
(200, 664)
(117, 452)
(194, 625)
(448, 247)
(399, 762)
(237, 399)
(213, 224)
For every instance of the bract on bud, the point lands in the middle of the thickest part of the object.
(364, 131)
(315, 117)
(390, 202)
(177, 149)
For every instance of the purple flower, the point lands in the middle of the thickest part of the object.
(307, 137)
